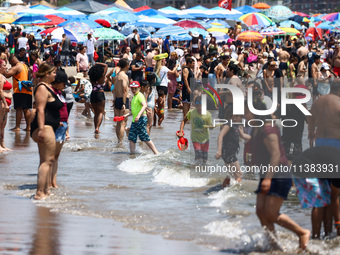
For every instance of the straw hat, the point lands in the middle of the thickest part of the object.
(79, 76)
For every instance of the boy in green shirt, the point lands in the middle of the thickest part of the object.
(139, 119)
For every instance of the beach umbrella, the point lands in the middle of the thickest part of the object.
(2, 38)
(128, 29)
(156, 21)
(17, 9)
(198, 30)
(108, 34)
(123, 17)
(313, 32)
(143, 8)
(246, 9)
(3, 31)
(169, 30)
(217, 29)
(279, 13)
(38, 9)
(172, 13)
(250, 36)
(189, 24)
(220, 36)
(96, 16)
(57, 35)
(181, 37)
(48, 31)
(301, 14)
(219, 21)
(271, 31)
(31, 18)
(289, 30)
(256, 19)
(332, 16)
(7, 18)
(261, 6)
(198, 12)
(91, 23)
(78, 28)
(54, 20)
(109, 10)
(68, 13)
(289, 23)
(33, 29)
(103, 22)
(218, 12)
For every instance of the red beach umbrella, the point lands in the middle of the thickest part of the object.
(48, 31)
(143, 8)
(103, 22)
(189, 24)
(55, 20)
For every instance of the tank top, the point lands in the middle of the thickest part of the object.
(151, 98)
(22, 76)
(66, 45)
(52, 115)
(191, 76)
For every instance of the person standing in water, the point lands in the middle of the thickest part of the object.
(139, 119)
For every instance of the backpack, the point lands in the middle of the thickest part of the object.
(154, 79)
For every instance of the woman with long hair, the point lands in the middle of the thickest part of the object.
(212, 45)
(97, 75)
(44, 125)
(5, 102)
(172, 76)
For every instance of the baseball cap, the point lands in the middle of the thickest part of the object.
(300, 95)
(134, 84)
(32, 34)
(326, 66)
(61, 77)
(265, 54)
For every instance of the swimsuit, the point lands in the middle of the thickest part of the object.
(119, 103)
(97, 94)
(8, 86)
(52, 115)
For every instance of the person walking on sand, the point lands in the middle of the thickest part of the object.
(139, 119)
(22, 97)
(121, 103)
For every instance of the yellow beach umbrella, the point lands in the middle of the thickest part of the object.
(217, 29)
(3, 31)
(7, 18)
(289, 30)
(216, 24)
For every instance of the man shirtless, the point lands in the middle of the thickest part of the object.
(219, 70)
(336, 60)
(283, 57)
(326, 119)
(314, 74)
(121, 104)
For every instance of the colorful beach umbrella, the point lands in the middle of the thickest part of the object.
(246, 9)
(189, 24)
(217, 29)
(31, 18)
(108, 34)
(33, 29)
(261, 6)
(256, 19)
(78, 28)
(54, 20)
(279, 13)
(332, 16)
(289, 23)
(301, 14)
(3, 31)
(7, 18)
(173, 13)
(314, 33)
(289, 30)
(271, 31)
(198, 12)
(169, 30)
(103, 22)
(250, 36)
(219, 21)
(143, 8)
(156, 21)
(123, 17)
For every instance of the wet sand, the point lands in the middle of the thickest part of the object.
(26, 228)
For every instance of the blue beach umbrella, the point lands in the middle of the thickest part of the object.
(173, 13)
(326, 25)
(288, 23)
(198, 30)
(199, 12)
(123, 17)
(31, 19)
(222, 22)
(169, 30)
(128, 29)
(246, 9)
(91, 23)
(156, 21)
(33, 29)
(182, 37)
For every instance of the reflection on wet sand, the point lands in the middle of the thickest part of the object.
(45, 239)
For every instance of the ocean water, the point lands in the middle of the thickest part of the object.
(150, 193)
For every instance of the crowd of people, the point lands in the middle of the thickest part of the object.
(151, 76)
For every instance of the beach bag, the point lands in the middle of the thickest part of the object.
(87, 88)
(151, 78)
(323, 88)
(95, 56)
(251, 58)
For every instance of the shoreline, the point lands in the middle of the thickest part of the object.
(28, 228)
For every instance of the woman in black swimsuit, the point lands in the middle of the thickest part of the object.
(46, 121)
(97, 75)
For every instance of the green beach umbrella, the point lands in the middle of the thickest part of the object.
(108, 34)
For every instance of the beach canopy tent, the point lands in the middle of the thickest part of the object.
(123, 4)
(110, 10)
(87, 7)
(173, 13)
(246, 9)
(198, 12)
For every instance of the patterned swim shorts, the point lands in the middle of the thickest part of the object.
(139, 129)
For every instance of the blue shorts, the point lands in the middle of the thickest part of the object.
(279, 187)
(60, 133)
(139, 129)
(327, 142)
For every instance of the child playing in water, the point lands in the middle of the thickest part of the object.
(139, 119)
(199, 134)
(159, 108)
(228, 144)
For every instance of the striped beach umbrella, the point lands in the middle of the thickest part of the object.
(332, 16)
(169, 30)
(250, 36)
(272, 31)
(256, 19)
(31, 19)
(290, 31)
(301, 14)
